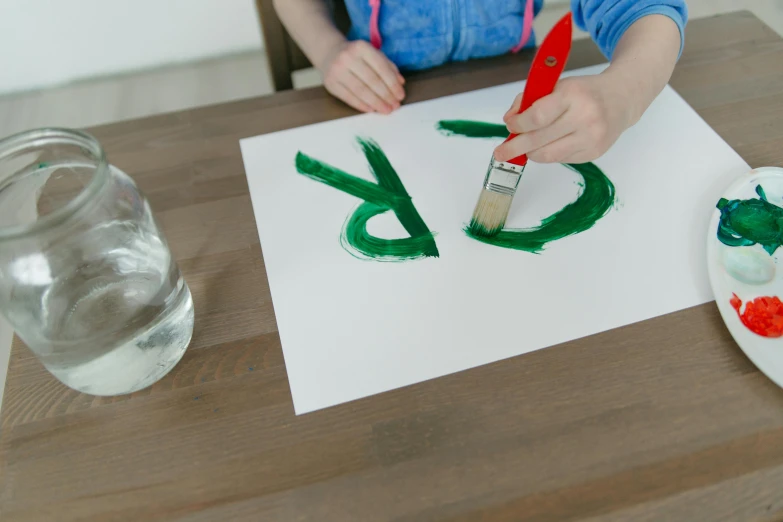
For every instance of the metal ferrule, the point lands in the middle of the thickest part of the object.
(503, 177)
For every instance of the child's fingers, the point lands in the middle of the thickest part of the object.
(514, 108)
(385, 70)
(579, 156)
(541, 114)
(342, 92)
(533, 140)
(365, 94)
(559, 151)
(397, 72)
(369, 77)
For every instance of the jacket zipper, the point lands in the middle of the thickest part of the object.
(456, 33)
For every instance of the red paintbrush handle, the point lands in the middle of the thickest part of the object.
(548, 64)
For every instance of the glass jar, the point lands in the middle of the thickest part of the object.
(86, 277)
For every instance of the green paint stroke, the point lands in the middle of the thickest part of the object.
(471, 129)
(745, 222)
(388, 194)
(596, 198)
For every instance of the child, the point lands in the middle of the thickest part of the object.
(577, 123)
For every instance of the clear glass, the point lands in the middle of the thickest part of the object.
(87, 279)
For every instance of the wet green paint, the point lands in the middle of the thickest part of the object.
(746, 222)
(471, 129)
(597, 197)
(385, 195)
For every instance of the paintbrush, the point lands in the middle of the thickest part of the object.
(502, 179)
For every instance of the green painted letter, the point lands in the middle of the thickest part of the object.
(593, 203)
(387, 194)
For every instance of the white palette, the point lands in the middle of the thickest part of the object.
(351, 328)
(748, 272)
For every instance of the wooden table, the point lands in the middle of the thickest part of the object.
(661, 420)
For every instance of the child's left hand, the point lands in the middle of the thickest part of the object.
(577, 123)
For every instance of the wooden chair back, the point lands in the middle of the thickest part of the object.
(284, 55)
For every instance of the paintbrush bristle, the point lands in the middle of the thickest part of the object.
(490, 214)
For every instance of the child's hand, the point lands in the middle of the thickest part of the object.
(577, 123)
(361, 76)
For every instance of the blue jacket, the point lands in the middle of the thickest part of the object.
(419, 34)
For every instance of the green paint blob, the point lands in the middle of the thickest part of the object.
(596, 199)
(746, 222)
(471, 129)
(388, 194)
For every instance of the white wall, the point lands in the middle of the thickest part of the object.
(50, 42)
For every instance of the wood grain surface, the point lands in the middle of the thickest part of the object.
(661, 420)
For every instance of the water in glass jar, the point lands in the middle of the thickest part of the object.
(118, 322)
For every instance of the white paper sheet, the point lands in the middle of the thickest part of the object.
(351, 328)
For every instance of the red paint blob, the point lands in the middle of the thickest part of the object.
(762, 316)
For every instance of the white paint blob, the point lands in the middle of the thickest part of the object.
(749, 265)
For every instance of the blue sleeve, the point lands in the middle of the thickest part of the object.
(607, 20)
